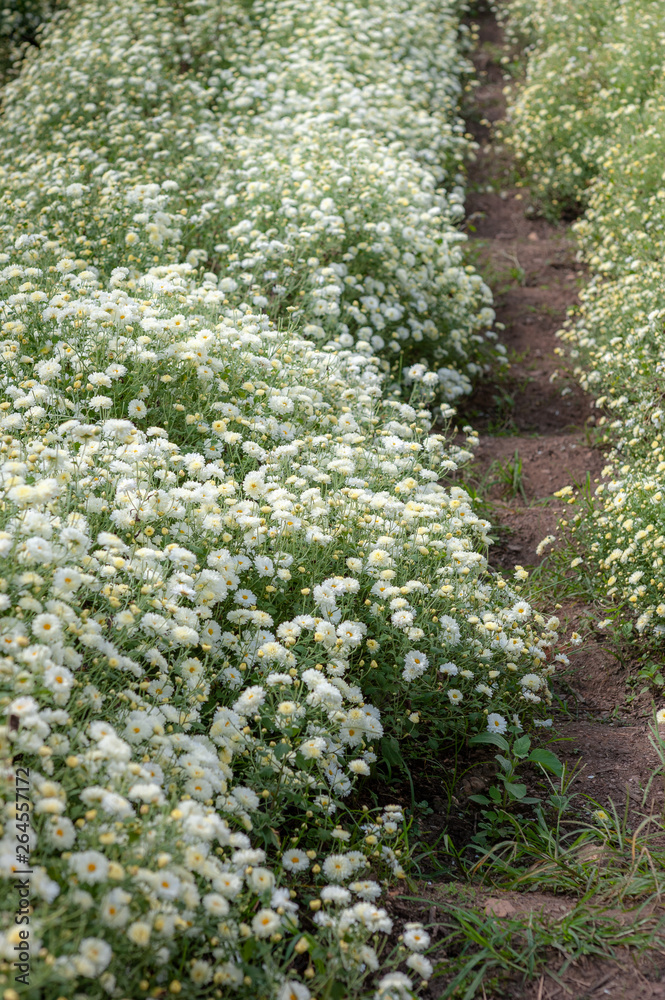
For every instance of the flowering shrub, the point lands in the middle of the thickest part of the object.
(231, 572)
(591, 68)
(209, 136)
(614, 136)
(195, 612)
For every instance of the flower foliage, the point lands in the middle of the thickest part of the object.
(231, 572)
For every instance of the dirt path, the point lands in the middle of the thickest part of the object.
(537, 431)
(537, 435)
(536, 410)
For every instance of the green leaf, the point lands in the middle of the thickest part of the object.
(281, 750)
(521, 746)
(546, 759)
(516, 790)
(505, 764)
(390, 751)
(493, 738)
(495, 794)
(480, 799)
(248, 948)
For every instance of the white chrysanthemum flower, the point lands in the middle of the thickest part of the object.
(496, 723)
(216, 905)
(250, 700)
(61, 833)
(46, 627)
(261, 880)
(293, 990)
(228, 884)
(97, 952)
(136, 408)
(114, 911)
(90, 867)
(415, 665)
(313, 749)
(421, 965)
(139, 933)
(337, 867)
(394, 986)
(295, 861)
(335, 894)
(265, 923)
(449, 669)
(100, 403)
(366, 889)
(416, 938)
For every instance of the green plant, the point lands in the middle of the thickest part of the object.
(506, 792)
(601, 853)
(592, 857)
(516, 272)
(489, 950)
(510, 474)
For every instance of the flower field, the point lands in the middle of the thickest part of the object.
(234, 570)
(588, 127)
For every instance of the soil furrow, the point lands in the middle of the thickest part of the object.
(537, 427)
(537, 435)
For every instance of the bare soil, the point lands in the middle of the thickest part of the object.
(621, 978)
(537, 414)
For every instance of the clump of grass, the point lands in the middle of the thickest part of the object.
(597, 859)
(510, 475)
(485, 949)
